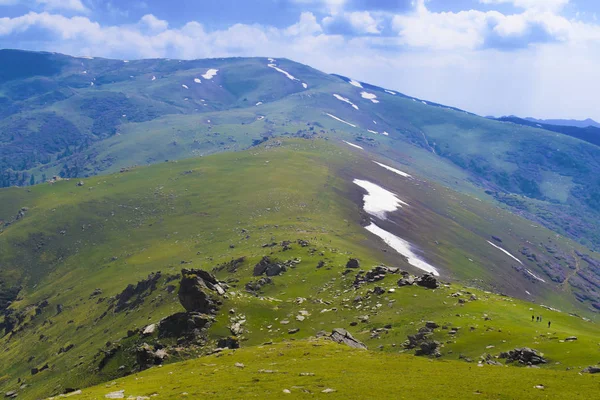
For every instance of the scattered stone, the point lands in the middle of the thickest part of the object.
(539, 387)
(116, 395)
(286, 391)
(353, 263)
(571, 339)
(328, 390)
(342, 336)
(239, 365)
(80, 183)
(10, 395)
(431, 325)
(293, 330)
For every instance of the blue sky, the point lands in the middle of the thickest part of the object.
(493, 57)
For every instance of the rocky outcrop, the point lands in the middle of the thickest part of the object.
(255, 286)
(148, 356)
(134, 295)
(421, 342)
(188, 325)
(268, 267)
(342, 336)
(374, 275)
(196, 291)
(523, 355)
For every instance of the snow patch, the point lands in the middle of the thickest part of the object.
(394, 170)
(355, 83)
(84, 72)
(185, 86)
(271, 60)
(390, 92)
(378, 201)
(259, 103)
(125, 61)
(353, 145)
(211, 73)
(345, 100)
(385, 133)
(91, 83)
(534, 276)
(289, 76)
(304, 85)
(369, 96)
(403, 247)
(153, 78)
(261, 117)
(424, 102)
(197, 80)
(373, 132)
(506, 252)
(341, 120)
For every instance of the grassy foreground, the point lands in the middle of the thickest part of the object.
(309, 368)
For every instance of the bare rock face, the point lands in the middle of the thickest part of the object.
(195, 291)
(342, 336)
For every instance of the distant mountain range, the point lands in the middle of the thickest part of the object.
(589, 133)
(567, 122)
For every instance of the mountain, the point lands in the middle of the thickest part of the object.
(242, 220)
(78, 117)
(590, 134)
(567, 122)
(102, 269)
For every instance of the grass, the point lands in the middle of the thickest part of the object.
(116, 229)
(347, 372)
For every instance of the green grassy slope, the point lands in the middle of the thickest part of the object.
(348, 373)
(203, 212)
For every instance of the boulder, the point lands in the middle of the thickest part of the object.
(187, 325)
(230, 342)
(428, 348)
(406, 281)
(591, 370)
(431, 325)
(353, 263)
(342, 336)
(428, 281)
(195, 291)
(571, 339)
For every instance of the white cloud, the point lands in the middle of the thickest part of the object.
(307, 25)
(358, 22)
(71, 5)
(154, 24)
(538, 5)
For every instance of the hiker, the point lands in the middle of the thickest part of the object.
(537, 319)
(548, 324)
(532, 317)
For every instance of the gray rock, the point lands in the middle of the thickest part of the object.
(591, 370)
(342, 336)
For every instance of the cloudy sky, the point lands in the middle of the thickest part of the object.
(536, 58)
